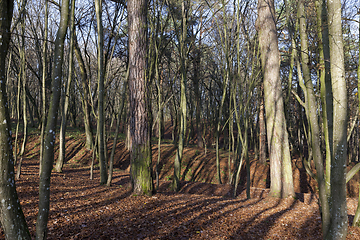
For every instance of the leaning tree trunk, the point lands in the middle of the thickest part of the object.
(281, 177)
(11, 216)
(339, 218)
(140, 152)
(49, 141)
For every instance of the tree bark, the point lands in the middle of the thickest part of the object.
(280, 162)
(314, 121)
(11, 216)
(140, 152)
(325, 84)
(356, 221)
(43, 86)
(118, 120)
(85, 95)
(47, 162)
(65, 101)
(23, 81)
(101, 94)
(339, 218)
(262, 131)
(183, 104)
(197, 97)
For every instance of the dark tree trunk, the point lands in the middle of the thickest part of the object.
(11, 216)
(140, 151)
(101, 94)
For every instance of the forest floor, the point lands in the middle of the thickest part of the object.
(82, 209)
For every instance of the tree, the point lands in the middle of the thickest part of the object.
(66, 95)
(140, 152)
(281, 180)
(43, 85)
(101, 93)
(49, 141)
(356, 221)
(85, 95)
(338, 207)
(311, 112)
(181, 34)
(11, 216)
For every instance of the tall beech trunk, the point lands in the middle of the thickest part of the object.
(85, 96)
(65, 101)
(183, 104)
(43, 87)
(197, 94)
(140, 151)
(11, 216)
(18, 108)
(101, 93)
(47, 162)
(118, 120)
(356, 221)
(23, 81)
(325, 85)
(339, 218)
(312, 110)
(281, 177)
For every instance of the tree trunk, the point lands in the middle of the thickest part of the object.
(356, 221)
(262, 131)
(101, 93)
(314, 121)
(197, 98)
(140, 152)
(18, 108)
(65, 101)
(23, 81)
(47, 163)
(85, 95)
(280, 162)
(111, 163)
(183, 104)
(11, 216)
(43, 87)
(339, 218)
(325, 84)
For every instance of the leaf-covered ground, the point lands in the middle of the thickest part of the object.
(82, 209)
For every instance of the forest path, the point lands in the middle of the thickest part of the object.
(82, 209)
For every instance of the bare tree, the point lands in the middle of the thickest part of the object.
(101, 93)
(11, 216)
(280, 161)
(338, 208)
(49, 141)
